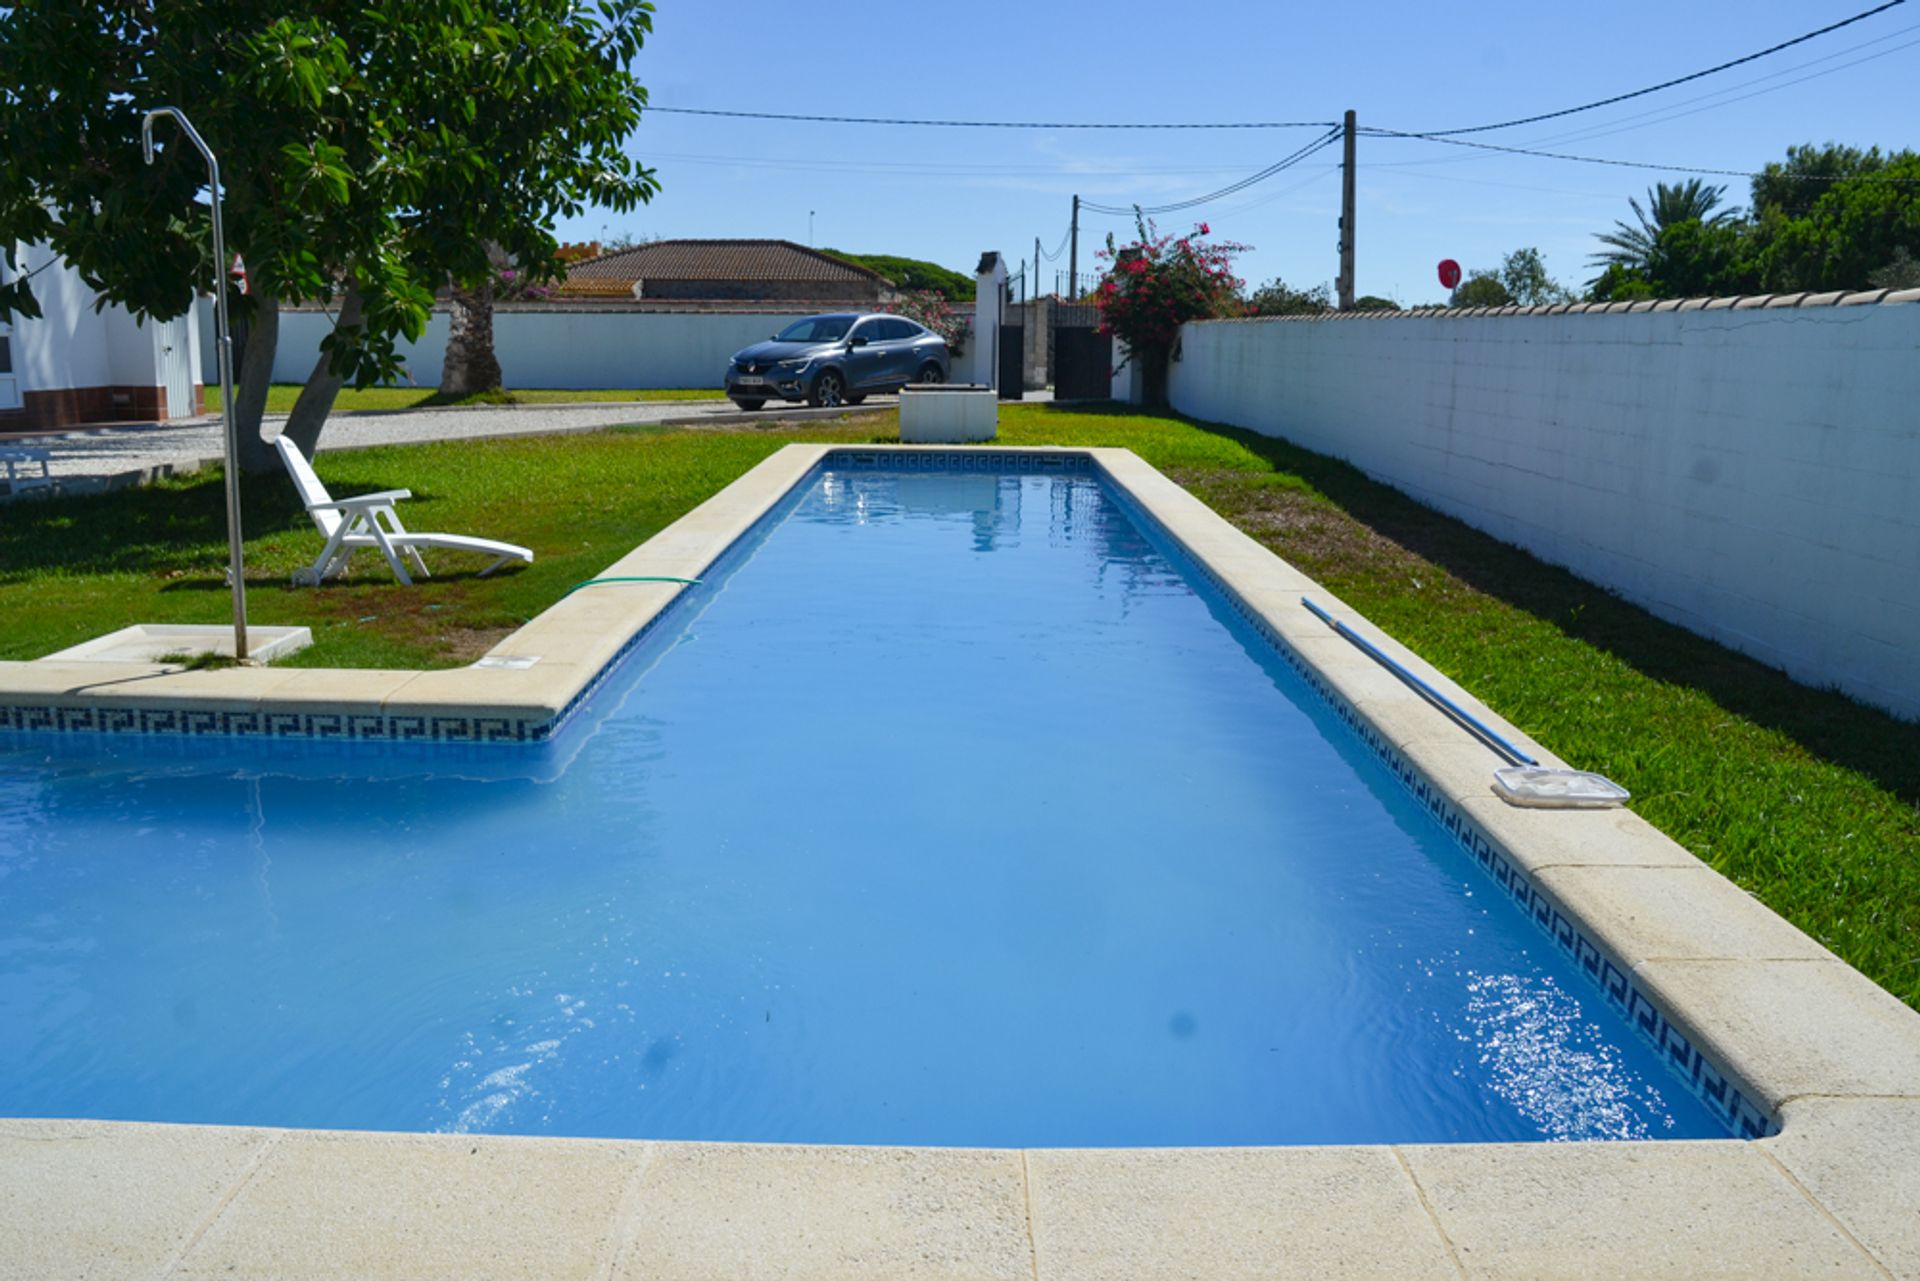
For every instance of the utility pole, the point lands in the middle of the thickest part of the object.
(1036, 266)
(1346, 220)
(1073, 255)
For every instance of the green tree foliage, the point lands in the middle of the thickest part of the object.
(1695, 259)
(1524, 273)
(1374, 302)
(1835, 234)
(372, 151)
(913, 274)
(1831, 217)
(1482, 288)
(1620, 284)
(1902, 273)
(1631, 247)
(1278, 298)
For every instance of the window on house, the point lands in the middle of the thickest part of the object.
(6, 354)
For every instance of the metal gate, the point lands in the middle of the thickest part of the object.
(1079, 356)
(173, 357)
(1013, 341)
(9, 381)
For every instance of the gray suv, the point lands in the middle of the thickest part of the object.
(838, 359)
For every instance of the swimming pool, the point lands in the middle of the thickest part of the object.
(947, 810)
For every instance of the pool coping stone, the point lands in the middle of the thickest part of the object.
(1821, 1055)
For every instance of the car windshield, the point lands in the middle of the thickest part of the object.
(816, 329)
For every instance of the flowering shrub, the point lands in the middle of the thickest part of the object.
(1157, 283)
(930, 308)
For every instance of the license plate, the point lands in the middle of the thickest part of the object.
(749, 380)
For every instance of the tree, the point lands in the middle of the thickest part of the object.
(372, 151)
(1278, 298)
(912, 274)
(1620, 284)
(1158, 283)
(1374, 302)
(1903, 272)
(1836, 234)
(1667, 203)
(1524, 273)
(1694, 259)
(1789, 190)
(1482, 288)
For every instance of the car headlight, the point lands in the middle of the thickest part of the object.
(793, 366)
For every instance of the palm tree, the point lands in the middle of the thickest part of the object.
(1667, 204)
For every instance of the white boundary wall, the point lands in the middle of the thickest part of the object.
(554, 348)
(1752, 474)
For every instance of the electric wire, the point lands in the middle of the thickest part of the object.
(1668, 84)
(1001, 124)
(1635, 164)
(1279, 166)
(1660, 115)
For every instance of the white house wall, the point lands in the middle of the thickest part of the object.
(1750, 474)
(66, 347)
(76, 364)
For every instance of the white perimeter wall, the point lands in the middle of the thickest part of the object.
(1752, 475)
(564, 349)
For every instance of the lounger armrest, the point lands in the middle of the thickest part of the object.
(381, 499)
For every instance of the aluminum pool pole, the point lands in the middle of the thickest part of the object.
(223, 349)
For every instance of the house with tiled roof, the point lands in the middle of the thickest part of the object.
(725, 271)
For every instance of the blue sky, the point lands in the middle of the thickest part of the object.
(946, 194)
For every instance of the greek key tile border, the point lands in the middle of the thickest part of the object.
(1724, 1095)
(1010, 461)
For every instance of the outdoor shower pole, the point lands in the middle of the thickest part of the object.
(223, 349)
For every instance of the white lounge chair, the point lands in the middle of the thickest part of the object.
(369, 520)
(19, 464)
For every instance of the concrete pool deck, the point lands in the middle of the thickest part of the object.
(1742, 1002)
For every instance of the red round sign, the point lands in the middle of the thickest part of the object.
(1449, 273)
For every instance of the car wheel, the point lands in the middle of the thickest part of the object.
(751, 403)
(929, 373)
(829, 390)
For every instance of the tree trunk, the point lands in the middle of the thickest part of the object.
(470, 366)
(250, 383)
(315, 402)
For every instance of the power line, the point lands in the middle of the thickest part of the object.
(1002, 124)
(1059, 248)
(1278, 166)
(1634, 164)
(1668, 84)
(1663, 113)
(1619, 126)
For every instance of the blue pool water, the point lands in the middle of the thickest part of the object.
(945, 812)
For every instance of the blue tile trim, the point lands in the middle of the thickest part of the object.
(1744, 1115)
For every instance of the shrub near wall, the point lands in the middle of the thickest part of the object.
(1747, 473)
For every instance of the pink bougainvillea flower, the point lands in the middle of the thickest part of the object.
(1205, 230)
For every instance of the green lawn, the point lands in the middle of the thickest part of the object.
(280, 397)
(1806, 798)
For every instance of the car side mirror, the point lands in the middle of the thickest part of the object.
(856, 342)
